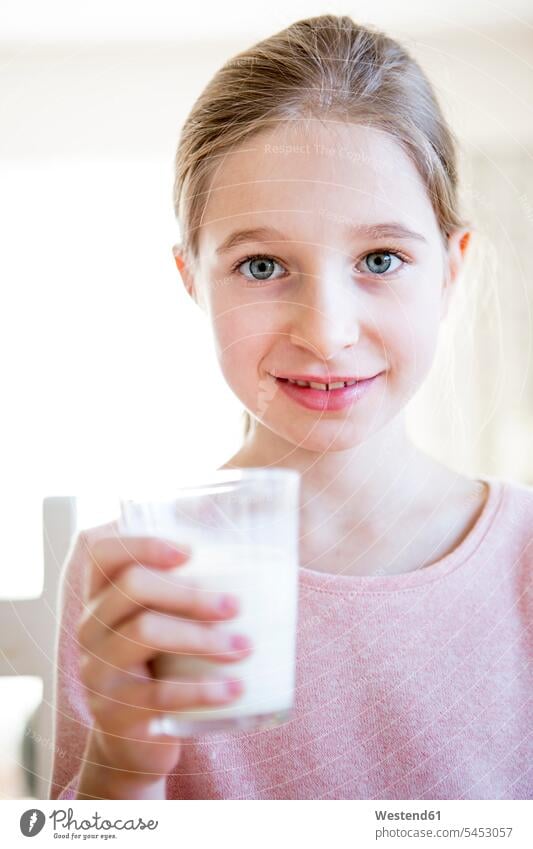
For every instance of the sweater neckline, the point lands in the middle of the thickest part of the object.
(339, 583)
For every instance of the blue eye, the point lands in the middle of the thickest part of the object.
(261, 266)
(379, 262)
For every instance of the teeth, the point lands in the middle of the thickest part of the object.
(323, 386)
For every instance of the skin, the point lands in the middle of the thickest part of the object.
(372, 502)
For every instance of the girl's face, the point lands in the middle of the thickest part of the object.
(349, 281)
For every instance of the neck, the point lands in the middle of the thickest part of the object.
(371, 483)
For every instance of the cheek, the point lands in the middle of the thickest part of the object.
(242, 327)
(241, 345)
(414, 338)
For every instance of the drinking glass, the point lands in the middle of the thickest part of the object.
(242, 527)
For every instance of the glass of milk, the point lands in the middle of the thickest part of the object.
(242, 527)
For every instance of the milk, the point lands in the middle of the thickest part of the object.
(265, 579)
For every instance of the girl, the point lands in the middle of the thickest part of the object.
(316, 191)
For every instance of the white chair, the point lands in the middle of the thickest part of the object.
(28, 630)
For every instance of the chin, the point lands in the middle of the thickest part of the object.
(322, 436)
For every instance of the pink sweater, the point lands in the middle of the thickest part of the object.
(409, 686)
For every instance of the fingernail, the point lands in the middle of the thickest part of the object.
(234, 687)
(239, 642)
(176, 552)
(226, 604)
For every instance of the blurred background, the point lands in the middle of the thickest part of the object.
(95, 326)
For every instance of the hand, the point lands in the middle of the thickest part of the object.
(133, 612)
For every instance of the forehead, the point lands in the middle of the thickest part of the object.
(292, 175)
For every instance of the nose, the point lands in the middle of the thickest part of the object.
(326, 315)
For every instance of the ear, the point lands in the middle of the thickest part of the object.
(186, 274)
(455, 256)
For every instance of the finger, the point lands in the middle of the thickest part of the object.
(149, 633)
(109, 554)
(132, 703)
(99, 676)
(141, 588)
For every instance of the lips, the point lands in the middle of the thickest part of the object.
(327, 399)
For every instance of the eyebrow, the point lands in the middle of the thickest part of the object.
(390, 229)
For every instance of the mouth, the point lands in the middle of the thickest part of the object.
(334, 395)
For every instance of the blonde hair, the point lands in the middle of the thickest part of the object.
(322, 66)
